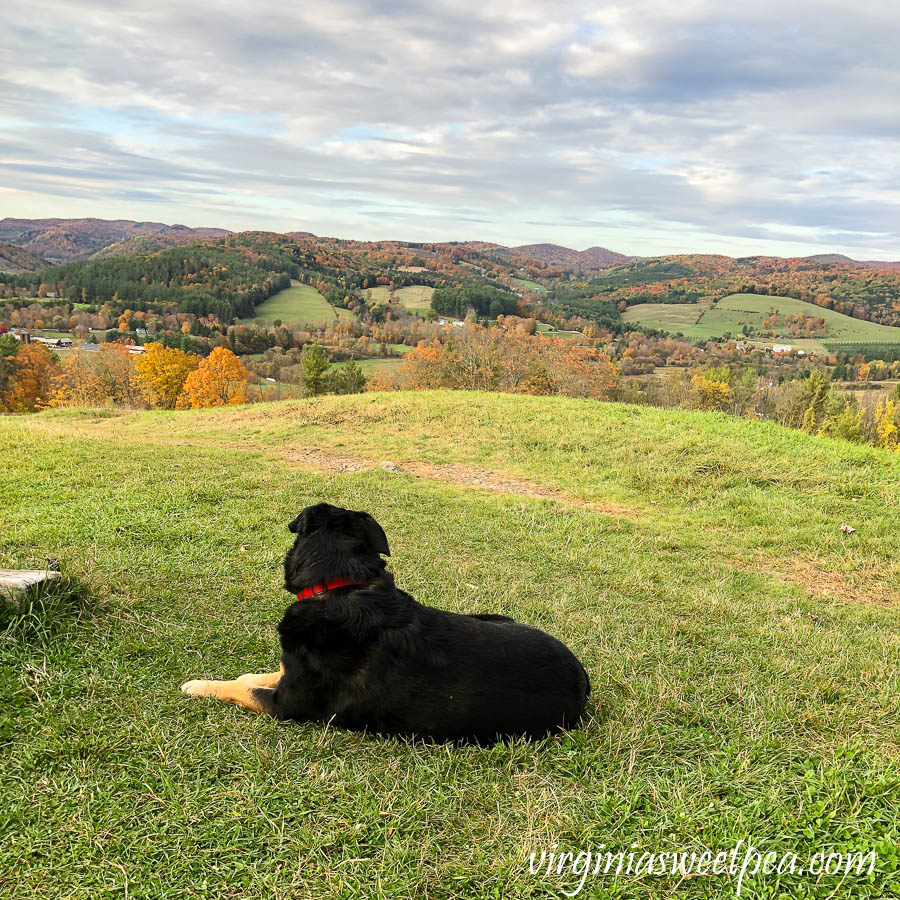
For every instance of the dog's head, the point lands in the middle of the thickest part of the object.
(333, 543)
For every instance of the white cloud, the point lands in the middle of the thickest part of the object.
(647, 126)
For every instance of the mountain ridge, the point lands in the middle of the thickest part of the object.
(53, 241)
(17, 260)
(556, 254)
(59, 240)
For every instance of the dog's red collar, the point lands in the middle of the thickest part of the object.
(323, 587)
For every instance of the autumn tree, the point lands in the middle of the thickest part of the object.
(27, 379)
(843, 420)
(219, 380)
(9, 347)
(77, 383)
(103, 378)
(710, 393)
(161, 373)
(887, 434)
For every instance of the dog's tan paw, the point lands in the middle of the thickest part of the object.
(199, 688)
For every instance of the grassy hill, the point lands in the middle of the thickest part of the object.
(730, 313)
(299, 304)
(415, 297)
(743, 649)
(526, 285)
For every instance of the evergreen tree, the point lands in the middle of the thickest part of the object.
(314, 364)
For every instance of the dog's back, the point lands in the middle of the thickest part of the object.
(497, 678)
(423, 671)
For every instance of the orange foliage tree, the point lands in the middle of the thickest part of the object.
(101, 378)
(219, 380)
(161, 372)
(28, 379)
(477, 358)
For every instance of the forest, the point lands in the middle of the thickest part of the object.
(854, 290)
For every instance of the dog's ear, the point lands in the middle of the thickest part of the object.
(307, 520)
(374, 534)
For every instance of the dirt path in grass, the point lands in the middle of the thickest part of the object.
(814, 580)
(321, 460)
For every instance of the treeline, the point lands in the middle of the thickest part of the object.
(203, 279)
(491, 359)
(32, 378)
(809, 402)
(869, 294)
(871, 351)
(486, 301)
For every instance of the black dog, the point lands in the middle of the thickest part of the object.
(362, 654)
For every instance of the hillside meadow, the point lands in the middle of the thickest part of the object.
(743, 648)
(731, 312)
(300, 304)
(415, 297)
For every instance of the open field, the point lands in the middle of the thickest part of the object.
(665, 316)
(527, 285)
(373, 365)
(550, 331)
(299, 304)
(744, 651)
(730, 313)
(415, 297)
(379, 294)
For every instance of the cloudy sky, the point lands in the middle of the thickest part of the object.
(650, 126)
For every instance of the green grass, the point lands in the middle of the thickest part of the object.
(743, 653)
(379, 294)
(730, 313)
(665, 316)
(527, 285)
(550, 331)
(299, 305)
(369, 366)
(51, 333)
(416, 297)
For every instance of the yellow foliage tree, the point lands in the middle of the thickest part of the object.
(104, 378)
(710, 394)
(219, 380)
(887, 435)
(161, 373)
(77, 383)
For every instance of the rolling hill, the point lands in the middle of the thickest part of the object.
(846, 260)
(573, 260)
(170, 236)
(730, 314)
(854, 290)
(15, 260)
(742, 647)
(298, 305)
(62, 240)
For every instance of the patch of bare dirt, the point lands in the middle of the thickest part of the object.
(318, 460)
(820, 582)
